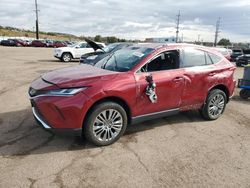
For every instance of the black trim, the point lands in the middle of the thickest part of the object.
(64, 132)
(155, 115)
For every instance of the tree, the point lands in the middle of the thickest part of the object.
(98, 38)
(111, 39)
(224, 42)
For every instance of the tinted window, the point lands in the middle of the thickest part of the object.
(193, 57)
(88, 46)
(165, 61)
(83, 45)
(214, 57)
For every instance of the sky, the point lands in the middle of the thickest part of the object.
(133, 19)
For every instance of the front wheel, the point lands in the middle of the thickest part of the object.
(66, 57)
(215, 105)
(106, 124)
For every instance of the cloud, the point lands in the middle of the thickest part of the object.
(132, 18)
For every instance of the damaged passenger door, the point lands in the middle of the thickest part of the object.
(160, 83)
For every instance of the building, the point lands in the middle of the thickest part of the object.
(162, 40)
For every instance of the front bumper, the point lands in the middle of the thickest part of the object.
(57, 54)
(44, 124)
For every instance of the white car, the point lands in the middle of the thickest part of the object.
(75, 51)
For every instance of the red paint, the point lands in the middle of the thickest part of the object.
(38, 43)
(184, 88)
(59, 44)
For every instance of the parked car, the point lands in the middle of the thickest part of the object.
(93, 57)
(236, 53)
(69, 43)
(132, 85)
(49, 43)
(58, 44)
(230, 51)
(38, 43)
(28, 42)
(225, 52)
(9, 42)
(21, 42)
(243, 60)
(66, 54)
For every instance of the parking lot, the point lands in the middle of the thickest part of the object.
(179, 151)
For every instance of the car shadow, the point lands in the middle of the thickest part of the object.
(20, 135)
(239, 99)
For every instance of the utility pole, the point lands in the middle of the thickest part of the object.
(37, 28)
(178, 27)
(217, 31)
(199, 38)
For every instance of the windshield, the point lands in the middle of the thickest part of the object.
(124, 60)
(76, 44)
(237, 53)
(110, 47)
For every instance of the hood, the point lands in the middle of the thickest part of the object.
(77, 76)
(64, 48)
(94, 45)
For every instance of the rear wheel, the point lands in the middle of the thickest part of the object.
(215, 105)
(244, 94)
(66, 57)
(106, 124)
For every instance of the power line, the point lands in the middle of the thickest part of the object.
(217, 31)
(178, 26)
(37, 27)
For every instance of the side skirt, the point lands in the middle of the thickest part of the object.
(156, 115)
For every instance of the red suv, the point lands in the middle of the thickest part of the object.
(132, 85)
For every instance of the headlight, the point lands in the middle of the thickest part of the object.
(57, 92)
(71, 91)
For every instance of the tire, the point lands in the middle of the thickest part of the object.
(66, 57)
(244, 94)
(99, 131)
(215, 105)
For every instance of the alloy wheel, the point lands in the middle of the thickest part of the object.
(107, 125)
(216, 106)
(66, 57)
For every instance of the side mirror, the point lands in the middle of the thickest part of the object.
(77, 47)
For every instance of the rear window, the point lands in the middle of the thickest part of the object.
(208, 59)
(215, 58)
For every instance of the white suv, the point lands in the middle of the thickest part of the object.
(75, 51)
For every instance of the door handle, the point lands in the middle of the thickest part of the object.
(212, 73)
(177, 79)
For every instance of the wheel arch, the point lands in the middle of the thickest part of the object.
(68, 53)
(115, 99)
(221, 87)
